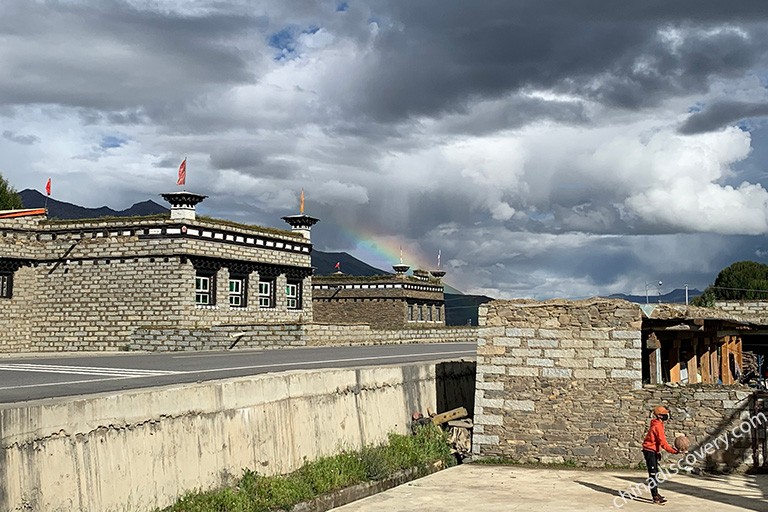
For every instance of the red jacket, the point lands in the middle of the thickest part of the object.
(655, 439)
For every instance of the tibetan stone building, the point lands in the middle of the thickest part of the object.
(384, 302)
(89, 284)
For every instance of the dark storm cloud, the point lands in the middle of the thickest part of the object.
(721, 114)
(110, 56)
(26, 140)
(434, 57)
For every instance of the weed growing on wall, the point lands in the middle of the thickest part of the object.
(258, 493)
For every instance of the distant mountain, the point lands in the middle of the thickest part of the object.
(325, 263)
(674, 297)
(62, 210)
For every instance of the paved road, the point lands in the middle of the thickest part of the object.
(47, 376)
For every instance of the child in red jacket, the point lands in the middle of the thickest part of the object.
(654, 441)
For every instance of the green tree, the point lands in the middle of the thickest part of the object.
(743, 280)
(9, 198)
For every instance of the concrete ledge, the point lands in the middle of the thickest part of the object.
(360, 491)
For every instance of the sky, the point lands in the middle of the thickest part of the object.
(544, 148)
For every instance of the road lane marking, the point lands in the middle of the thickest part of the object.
(263, 350)
(48, 384)
(84, 370)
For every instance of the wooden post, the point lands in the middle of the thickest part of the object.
(737, 347)
(706, 375)
(725, 371)
(714, 368)
(693, 367)
(674, 361)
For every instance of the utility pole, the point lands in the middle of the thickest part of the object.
(646, 292)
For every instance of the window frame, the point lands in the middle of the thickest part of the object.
(242, 294)
(210, 292)
(293, 302)
(266, 299)
(6, 285)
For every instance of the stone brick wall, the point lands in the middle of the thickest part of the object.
(288, 335)
(88, 285)
(378, 313)
(750, 309)
(560, 381)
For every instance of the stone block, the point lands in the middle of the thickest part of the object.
(484, 439)
(625, 335)
(489, 419)
(536, 361)
(497, 403)
(519, 333)
(522, 371)
(626, 374)
(492, 369)
(557, 373)
(629, 353)
(539, 343)
(553, 333)
(507, 342)
(560, 353)
(519, 405)
(609, 362)
(589, 374)
(571, 343)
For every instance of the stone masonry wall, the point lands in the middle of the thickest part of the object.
(750, 309)
(288, 335)
(378, 313)
(560, 382)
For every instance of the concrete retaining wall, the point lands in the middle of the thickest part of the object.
(144, 448)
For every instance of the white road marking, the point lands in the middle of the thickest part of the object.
(83, 370)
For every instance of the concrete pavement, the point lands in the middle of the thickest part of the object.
(513, 488)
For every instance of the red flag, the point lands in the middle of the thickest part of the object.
(182, 173)
(48, 187)
(337, 266)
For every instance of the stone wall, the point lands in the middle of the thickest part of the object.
(245, 336)
(749, 309)
(560, 381)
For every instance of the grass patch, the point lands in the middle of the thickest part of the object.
(259, 493)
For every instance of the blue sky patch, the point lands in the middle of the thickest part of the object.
(112, 141)
(342, 7)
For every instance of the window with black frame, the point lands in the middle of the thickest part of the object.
(238, 296)
(205, 289)
(6, 285)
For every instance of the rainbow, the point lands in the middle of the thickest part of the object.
(384, 251)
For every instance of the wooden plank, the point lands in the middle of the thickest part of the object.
(693, 366)
(725, 371)
(706, 375)
(453, 414)
(738, 346)
(652, 356)
(714, 362)
(674, 362)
